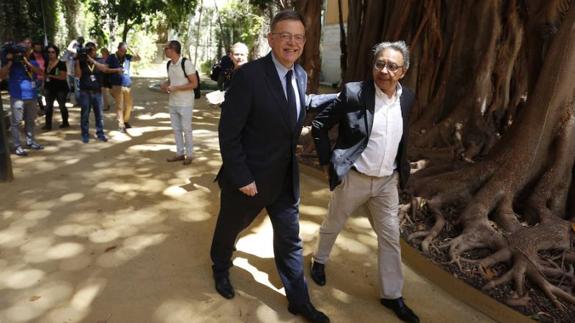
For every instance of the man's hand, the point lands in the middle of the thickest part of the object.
(250, 189)
(164, 87)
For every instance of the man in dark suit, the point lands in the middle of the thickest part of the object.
(366, 164)
(261, 120)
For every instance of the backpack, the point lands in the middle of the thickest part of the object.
(215, 73)
(197, 91)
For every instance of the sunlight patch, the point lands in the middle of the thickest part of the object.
(72, 197)
(312, 210)
(65, 250)
(174, 191)
(22, 279)
(259, 276)
(150, 147)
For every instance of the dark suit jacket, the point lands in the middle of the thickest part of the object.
(353, 110)
(257, 136)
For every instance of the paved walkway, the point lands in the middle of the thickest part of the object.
(110, 232)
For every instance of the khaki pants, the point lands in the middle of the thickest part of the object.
(106, 95)
(124, 103)
(382, 198)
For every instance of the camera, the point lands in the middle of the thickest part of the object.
(12, 52)
(82, 54)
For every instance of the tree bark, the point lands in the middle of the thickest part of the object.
(311, 59)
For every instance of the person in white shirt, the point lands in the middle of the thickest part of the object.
(181, 87)
(366, 165)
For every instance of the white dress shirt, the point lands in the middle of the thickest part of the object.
(282, 71)
(378, 158)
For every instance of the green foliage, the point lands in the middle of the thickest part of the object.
(130, 13)
(206, 67)
(239, 22)
(23, 18)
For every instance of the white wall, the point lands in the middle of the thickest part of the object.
(330, 54)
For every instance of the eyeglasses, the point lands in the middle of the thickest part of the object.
(391, 67)
(298, 38)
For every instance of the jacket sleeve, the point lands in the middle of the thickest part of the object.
(323, 122)
(318, 102)
(234, 117)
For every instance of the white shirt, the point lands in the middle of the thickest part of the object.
(378, 158)
(282, 71)
(176, 77)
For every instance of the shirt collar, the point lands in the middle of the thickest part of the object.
(379, 93)
(282, 70)
(178, 61)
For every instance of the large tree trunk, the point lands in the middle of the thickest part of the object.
(311, 59)
(71, 8)
(495, 86)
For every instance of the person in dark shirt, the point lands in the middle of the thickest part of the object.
(55, 87)
(89, 71)
(239, 56)
(121, 84)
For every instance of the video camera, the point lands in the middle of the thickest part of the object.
(82, 53)
(12, 52)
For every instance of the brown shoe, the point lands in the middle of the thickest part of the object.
(187, 161)
(176, 158)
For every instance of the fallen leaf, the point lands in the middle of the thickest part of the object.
(110, 248)
(488, 273)
(34, 298)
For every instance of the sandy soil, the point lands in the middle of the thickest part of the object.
(110, 232)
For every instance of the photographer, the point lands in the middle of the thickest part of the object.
(89, 71)
(70, 59)
(23, 91)
(121, 84)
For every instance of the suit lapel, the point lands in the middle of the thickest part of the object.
(275, 84)
(301, 78)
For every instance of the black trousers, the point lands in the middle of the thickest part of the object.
(59, 96)
(237, 211)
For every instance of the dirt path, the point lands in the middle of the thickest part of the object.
(110, 232)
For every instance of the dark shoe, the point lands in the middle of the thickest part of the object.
(20, 151)
(318, 273)
(175, 158)
(187, 161)
(127, 125)
(224, 287)
(400, 309)
(47, 128)
(35, 146)
(64, 125)
(85, 140)
(309, 312)
(103, 139)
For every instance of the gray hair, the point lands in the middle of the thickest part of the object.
(239, 45)
(399, 46)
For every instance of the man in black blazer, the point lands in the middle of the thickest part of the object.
(261, 120)
(367, 164)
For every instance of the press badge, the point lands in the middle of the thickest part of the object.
(93, 78)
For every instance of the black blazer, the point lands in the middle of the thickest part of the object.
(257, 137)
(353, 111)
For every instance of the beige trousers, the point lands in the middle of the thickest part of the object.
(382, 198)
(124, 103)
